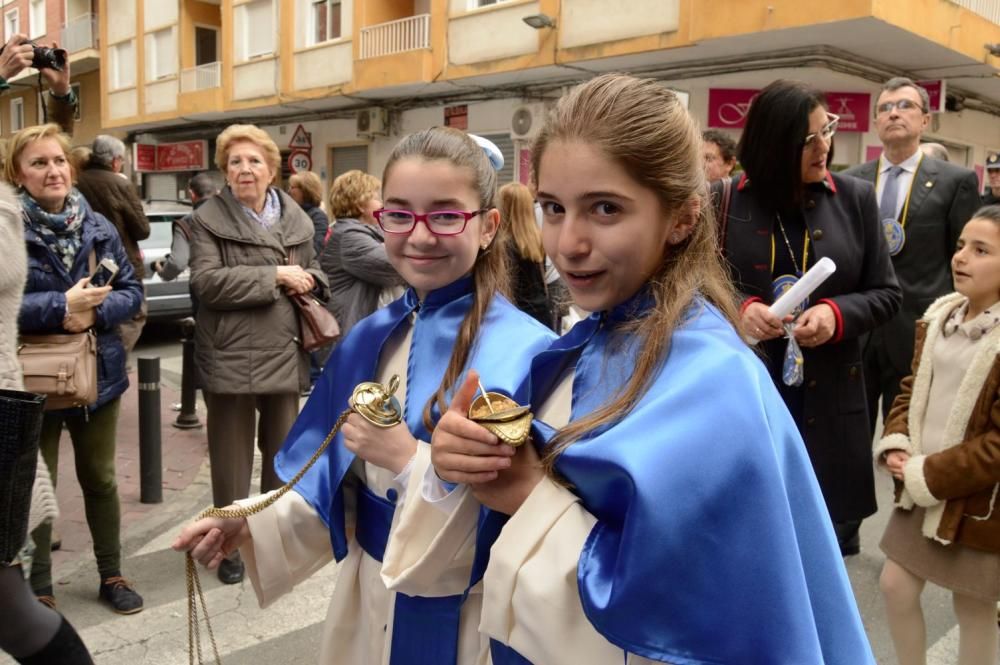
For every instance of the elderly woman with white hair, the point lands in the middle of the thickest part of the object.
(251, 246)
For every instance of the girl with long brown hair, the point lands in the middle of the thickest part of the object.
(665, 510)
(440, 223)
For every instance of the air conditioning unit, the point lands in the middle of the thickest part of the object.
(373, 122)
(527, 120)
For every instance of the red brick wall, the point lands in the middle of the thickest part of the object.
(54, 18)
(55, 11)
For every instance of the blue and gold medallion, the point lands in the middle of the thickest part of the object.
(895, 235)
(781, 284)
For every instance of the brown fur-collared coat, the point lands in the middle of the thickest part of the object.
(957, 485)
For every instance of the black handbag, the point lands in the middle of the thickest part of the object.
(21, 416)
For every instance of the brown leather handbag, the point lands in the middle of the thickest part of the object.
(61, 367)
(318, 326)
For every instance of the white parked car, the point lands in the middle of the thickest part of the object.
(166, 300)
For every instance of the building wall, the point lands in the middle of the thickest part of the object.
(589, 22)
(971, 132)
(120, 18)
(464, 44)
(471, 35)
(89, 124)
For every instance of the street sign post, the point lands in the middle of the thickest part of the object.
(301, 139)
(299, 161)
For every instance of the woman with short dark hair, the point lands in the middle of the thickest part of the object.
(786, 211)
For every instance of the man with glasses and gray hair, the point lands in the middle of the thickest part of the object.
(923, 205)
(108, 192)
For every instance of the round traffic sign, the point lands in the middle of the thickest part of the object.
(299, 161)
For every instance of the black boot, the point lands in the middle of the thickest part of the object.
(65, 648)
(21, 415)
(231, 570)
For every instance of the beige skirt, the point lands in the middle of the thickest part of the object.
(961, 569)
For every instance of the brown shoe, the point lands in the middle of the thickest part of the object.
(48, 601)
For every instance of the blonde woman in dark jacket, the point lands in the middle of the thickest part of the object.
(527, 258)
(251, 246)
(61, 231)
(354, 257)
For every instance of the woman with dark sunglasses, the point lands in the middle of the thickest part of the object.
(785, 213)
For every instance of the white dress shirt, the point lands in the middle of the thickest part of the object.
(905, 179)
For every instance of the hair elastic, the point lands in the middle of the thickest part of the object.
(492, 151)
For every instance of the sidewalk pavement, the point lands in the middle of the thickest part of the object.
(183, 453)
(288, 631)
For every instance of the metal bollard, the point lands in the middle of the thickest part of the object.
(188, 417)
(150, 449)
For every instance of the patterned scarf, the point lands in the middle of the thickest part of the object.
(61, 231)
(271, 213)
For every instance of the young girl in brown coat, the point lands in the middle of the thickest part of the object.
(942, 446)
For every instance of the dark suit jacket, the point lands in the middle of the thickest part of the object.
(943, 199)
(841, 218)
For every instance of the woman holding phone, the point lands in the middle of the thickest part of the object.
(61, 234)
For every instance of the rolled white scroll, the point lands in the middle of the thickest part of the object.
(801, 290)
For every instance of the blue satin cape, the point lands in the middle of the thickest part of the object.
(713, 545)
(502, 365)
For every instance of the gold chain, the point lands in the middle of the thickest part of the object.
(376, 403)
(195, 595)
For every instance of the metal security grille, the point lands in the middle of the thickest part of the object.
(350, 157)
(506, 145)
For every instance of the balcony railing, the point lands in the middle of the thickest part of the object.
(201, 77)
(988, 9)
(405, 34)
(79, 33)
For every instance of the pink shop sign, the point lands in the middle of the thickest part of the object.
(728, 108)
(853, 109)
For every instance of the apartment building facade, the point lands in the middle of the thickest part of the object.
(337, 82)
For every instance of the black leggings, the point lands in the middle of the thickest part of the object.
(31, 632)
(27, 625)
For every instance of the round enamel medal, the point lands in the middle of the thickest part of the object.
(895, 235)
(781, 284)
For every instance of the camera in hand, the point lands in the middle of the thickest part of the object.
(45, 57)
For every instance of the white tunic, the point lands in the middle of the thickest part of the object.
(531, 600)
(290, 542)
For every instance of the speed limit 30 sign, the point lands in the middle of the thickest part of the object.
(299, 161)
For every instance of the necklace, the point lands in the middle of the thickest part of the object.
(782, 283)
(791, 252)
